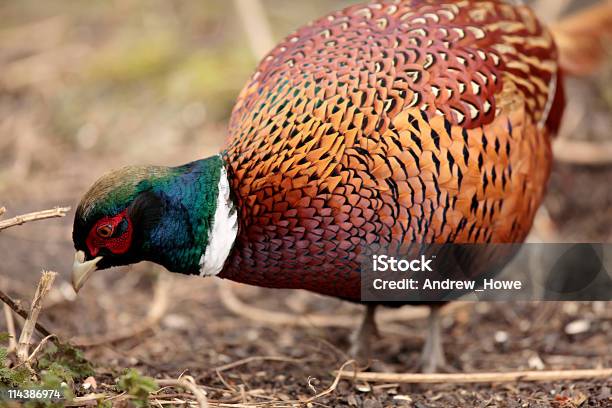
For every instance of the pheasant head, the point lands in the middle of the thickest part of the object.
(159, 214)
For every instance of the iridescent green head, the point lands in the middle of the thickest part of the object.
(147, 213)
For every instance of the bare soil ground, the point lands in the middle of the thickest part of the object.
(74, 103)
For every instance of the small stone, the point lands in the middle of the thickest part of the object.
(536, 363)
(365, 387)
(501, 336)
(578, 327)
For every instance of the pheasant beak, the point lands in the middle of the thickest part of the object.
(82, 270)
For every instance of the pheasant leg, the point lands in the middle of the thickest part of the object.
(361, 339)
(432, 357)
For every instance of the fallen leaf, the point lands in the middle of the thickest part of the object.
(90, 382)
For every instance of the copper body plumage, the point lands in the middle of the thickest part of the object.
(392, 122)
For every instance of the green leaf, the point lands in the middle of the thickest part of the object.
(65, 361)
(12, 377)
(138, 386)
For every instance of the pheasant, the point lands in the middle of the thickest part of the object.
(381, 124)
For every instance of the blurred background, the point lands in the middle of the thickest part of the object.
(90, 86)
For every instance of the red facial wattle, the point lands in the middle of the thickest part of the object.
(116, 243)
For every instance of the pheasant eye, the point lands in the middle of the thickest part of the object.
(105, 231)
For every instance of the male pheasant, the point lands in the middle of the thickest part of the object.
(398, 121)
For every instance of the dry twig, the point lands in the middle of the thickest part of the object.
(465, 378)
(332, 388)
(21, 312)
(199, 395)
(251, 359)
(10, 327)
(35, 216)
(40, 346)
(582, 153)
(86, 400)
(44, 285)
